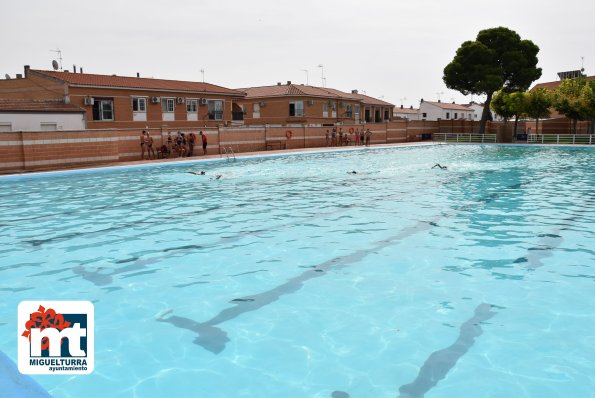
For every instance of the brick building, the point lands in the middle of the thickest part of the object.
(130, 102)
(293, 104)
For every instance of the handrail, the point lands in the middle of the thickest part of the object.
(568, 139)
(464, 138)
(232, 153)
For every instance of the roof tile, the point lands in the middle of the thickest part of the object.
(87, 79)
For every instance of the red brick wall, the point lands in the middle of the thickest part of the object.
(53, 150)
(33, 87)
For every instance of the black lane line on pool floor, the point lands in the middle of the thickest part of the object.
(439, 363)
(214, 339)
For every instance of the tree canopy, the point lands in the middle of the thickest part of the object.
(574, 99)
(497, 60)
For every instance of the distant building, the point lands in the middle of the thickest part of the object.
(287, 104)
(410, 113)
(129, 102)
(445, 111)
(40, 115)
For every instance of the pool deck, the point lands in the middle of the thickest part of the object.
(193, 159)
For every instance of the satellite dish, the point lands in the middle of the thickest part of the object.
(55, 65)
(7, 76)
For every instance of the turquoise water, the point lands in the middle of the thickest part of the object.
(289, 277)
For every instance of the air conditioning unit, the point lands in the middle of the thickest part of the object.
(155, 100)
(310, 102)
(89, 101)
(204, 101)
(180, 100)
(262, 104)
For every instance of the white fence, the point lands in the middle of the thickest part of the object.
(464, 138)
(576, 139)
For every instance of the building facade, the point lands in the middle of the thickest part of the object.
(40, 115)
(444, 111)
(292, 104)
(129, 102)
(410, 113)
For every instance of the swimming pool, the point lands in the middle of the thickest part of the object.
(290, 277)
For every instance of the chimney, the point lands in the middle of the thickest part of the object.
(421, 101)
(19, 76)
(27, 68)
(438, 99)
(137, 74)
(411, 107)
(74, 68)
(453, 102)
(288, 82)
(353, 91)
(278, 83)
(81, 69)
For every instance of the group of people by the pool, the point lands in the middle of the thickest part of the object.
(355, 136)
(182, 145)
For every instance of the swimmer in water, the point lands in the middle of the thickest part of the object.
(439, 165)
(202, 173)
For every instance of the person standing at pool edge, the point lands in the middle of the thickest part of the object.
(142, 145)
(204, 142)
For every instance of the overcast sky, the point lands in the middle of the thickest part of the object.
(390, 49)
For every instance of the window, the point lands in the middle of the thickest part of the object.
(192, 106)
(139, 104)
(348, 110)
(255, 111)
(296, 108)
(48, 126)
(325, 109)
(456, 115)
(215, 110)
(167, 105)
(103, 109)
(357, 109)
(448, 115)
(424, 115)
(5, 127)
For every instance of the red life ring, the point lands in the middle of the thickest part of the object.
(288, 134)
(351, 130)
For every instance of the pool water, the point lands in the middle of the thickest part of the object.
(291, 277)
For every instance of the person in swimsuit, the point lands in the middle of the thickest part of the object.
(204, 142)
(361, 137)
(170, 141)
(334, 137)
(368, 135)
(328, 138)
(150, 150)
(142, 145)
(357, 137)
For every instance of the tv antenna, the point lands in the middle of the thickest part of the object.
(439, 94)
(7, 76)
(307, 79)
(582, 64)
(203, 75)
(403, 100)
(322, 78)
(55, 64)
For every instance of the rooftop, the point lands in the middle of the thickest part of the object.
(87, 79)
(556, 84)
(446, 105)
(22, 105)
(283, 90)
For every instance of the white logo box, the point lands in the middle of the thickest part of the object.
(77, 364)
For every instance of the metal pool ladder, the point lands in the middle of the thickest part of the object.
(229, 152)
